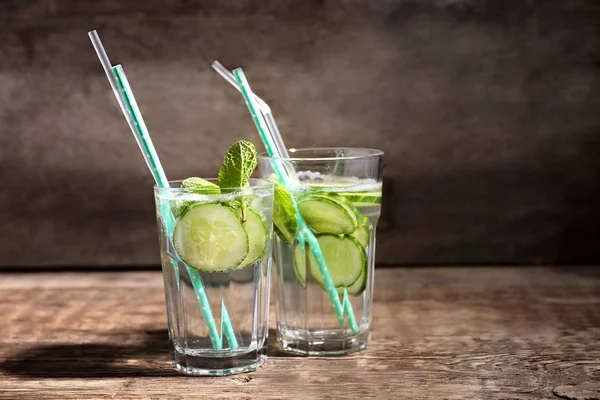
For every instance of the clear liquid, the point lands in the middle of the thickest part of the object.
(237, 291)
(306, 321)
(245, 295)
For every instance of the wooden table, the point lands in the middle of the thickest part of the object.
(438, 333)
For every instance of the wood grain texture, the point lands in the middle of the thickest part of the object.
(438, 333)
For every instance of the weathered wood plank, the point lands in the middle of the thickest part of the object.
(443, 333)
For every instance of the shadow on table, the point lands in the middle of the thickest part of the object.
(148, 358)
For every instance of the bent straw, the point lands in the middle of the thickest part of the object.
(265, 110)
(303, 229)
(118, 82)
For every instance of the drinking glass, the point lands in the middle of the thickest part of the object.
(218, 319)
(338, 193)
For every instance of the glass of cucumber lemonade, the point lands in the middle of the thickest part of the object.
(215, 245)
(337, 192)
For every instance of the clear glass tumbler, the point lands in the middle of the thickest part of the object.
(338, 194)
(216, 270)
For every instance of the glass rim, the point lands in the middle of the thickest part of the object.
(369, 153)
(175, 186)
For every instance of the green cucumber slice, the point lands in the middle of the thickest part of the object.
(358, 286)
(256, 229)
(285, 235)
(361, 205)
(361, 234)
(345, 258)
(362, 218)
(184, 206)
(362, 197)
(328, 186)
(211, 238)
(328, 214)
(300, 263)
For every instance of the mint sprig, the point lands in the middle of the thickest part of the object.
(238, 164)
(284, 214)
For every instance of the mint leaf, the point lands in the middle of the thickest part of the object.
(199, 185)
(284, 214)
(238, 164)
(195, 185)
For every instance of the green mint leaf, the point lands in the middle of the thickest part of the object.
(195, 185)
(238, 164)
(201, 185)
(284, 214)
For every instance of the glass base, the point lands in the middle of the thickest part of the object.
(321, 343)
(205, 366)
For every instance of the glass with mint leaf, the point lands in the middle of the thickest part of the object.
(218, 250)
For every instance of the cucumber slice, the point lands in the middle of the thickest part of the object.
(327, 187)
(345, 258)
(211, 238)
(328, 214)
(361, 234)
(358, 286)
(361, 205)
(362, 197)
(300, 263)
(185, 206)
(256, 229)
(284, 234)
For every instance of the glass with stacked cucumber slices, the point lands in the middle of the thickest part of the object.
(215, 242)
(337, 193)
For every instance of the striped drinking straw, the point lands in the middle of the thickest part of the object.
(120, 85)
(304, 232)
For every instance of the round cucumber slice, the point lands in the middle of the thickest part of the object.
(328, 214)
(211, 238)
(284, 234)
(345, 258)
(362, 218)
(256, 229)
(300, 263)
(362, 197)
(358, 286)
(364, 205)
(361, 234)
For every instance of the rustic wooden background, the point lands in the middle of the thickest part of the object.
(488, 111)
